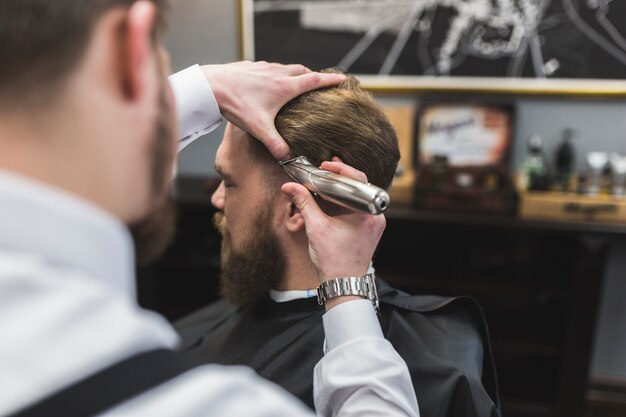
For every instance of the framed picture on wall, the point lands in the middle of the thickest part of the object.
(466, 135)
(509, 46)
(463, 156)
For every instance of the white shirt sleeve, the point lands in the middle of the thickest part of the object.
(361, 373)
(197, 110)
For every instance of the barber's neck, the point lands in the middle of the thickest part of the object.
(71, 143)
(32, 145)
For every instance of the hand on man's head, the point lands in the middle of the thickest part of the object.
(250, 94)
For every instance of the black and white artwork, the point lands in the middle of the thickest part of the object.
(538, 39)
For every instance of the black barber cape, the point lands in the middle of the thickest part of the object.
(444, 342)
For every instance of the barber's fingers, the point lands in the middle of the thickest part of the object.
(314, 80)
(274, 142)
(306, 204)
(277, 68)
(339, 167)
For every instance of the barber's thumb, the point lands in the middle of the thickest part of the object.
(276, 144)
(303, 200)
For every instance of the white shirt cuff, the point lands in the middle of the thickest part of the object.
(350, 321)
(196, 108)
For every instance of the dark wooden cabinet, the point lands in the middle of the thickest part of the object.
(538, 283)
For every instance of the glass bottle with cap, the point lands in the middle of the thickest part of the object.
(534, 169)
(565, 159)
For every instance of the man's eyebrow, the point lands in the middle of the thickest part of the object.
(220, 170)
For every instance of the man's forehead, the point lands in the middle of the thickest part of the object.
(234, 153)
(238, 139)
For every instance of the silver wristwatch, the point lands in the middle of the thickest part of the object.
(364, 286)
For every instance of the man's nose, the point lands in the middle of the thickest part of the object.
(217, 199)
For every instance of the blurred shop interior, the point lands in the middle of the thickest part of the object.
(533, 226)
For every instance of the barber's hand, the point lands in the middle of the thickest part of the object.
(250, 94)
(342, 245)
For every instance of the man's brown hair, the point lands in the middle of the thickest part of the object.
(42, 41)
(343, 121)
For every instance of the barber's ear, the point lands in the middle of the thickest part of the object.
(137, 51)
(295, 220)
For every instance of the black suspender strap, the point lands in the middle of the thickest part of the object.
(111, 386)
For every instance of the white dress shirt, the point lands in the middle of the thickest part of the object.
(68, 309)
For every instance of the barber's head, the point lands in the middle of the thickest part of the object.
(83, 83)
(263, 232)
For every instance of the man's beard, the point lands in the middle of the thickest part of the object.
(250, 272)
(154, 233)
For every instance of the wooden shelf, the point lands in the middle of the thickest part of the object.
(498, 221)
(197, 191)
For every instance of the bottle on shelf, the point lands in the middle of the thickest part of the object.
(618, 168)
(565, 160)
(534, 175)
(597, 163)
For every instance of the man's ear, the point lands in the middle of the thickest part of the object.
(294, 221)
(137, 52)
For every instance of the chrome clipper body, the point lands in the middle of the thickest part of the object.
(337, 188)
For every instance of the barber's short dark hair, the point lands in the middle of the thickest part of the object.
(42, 41)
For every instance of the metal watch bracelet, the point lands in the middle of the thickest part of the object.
(364, 286)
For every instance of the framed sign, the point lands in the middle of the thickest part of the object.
(462, 156)
(475, 135)
(506, 46)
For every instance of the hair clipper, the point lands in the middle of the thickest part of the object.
(337, 188)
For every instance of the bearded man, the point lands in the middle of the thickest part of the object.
(270, 318)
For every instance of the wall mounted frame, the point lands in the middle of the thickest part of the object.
(538, 47)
